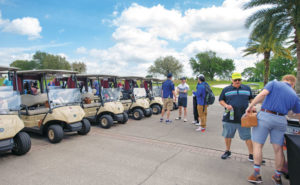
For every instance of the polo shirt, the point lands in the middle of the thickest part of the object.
(238, 98)
(182, 88)
(7, 82)
(281, 98)
(168, 87)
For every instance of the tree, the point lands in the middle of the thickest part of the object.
(265, 45)
(208, 64)
(24, 64)
(280, 66)
(281, 19)
(79, 66)
(49, 61)
(166, 65)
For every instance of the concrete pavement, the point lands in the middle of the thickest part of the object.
(139, 152)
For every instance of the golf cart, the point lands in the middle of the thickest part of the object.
(101, 104)
(154, 93)
(132, 98)
(56, 108)
(12, 138)
(254, 88)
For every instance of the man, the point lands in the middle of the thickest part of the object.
(201, 104)
(278, 98)
(168, 92)
(195, 111)
(182, 98)
(235, 99)
(7, 82)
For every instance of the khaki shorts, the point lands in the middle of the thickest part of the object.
(168, 103)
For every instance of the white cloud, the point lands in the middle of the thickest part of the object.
(28, 26)
(143, 34)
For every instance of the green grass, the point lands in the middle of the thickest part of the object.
(216, 91)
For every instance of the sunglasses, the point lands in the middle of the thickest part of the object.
(237, 80)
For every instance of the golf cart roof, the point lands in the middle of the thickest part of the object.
(47, 71)
(96, 75)
(132, 77)
(155, 79)
(4, 68)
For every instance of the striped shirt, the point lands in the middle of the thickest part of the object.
(238, 98)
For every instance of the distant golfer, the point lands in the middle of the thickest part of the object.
(182, 89)
(168, 91)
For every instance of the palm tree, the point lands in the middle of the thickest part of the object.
(265, 46)
(282, 19)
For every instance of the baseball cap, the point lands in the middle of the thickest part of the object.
(183, 78)
(201, 77)
(169, 75)
(236, 76)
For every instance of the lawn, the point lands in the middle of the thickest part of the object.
(216, 91)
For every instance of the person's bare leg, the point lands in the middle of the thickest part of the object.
(185, 112)
(180, 110)
(279, 157)
(163, 112)
(257, 153)
(250, 146)
(168, 114)
(228, 143)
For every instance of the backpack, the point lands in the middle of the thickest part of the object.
(209, 96)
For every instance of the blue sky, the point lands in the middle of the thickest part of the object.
(110, 36)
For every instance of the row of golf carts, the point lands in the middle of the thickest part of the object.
(52, 102)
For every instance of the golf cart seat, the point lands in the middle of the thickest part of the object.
(29, 100)
(36, 111)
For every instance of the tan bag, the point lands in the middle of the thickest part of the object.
(249, 121)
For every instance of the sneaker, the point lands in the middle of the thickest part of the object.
(179, 118)
(251, 159)
(161, 119)
(184, 120)
(199, 129)
(197, 124)
(194, 122)
(226, 155)
(255, 179)
(277, 181)
(168, 121)
(203, 129)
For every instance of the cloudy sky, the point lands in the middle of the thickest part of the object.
(124, 37)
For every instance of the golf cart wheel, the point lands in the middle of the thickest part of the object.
(55, 133)
(106, 121)
(22, 143)
(86, 127)
(125, 118)
(138, 114)
(156, 109)
(149, 114)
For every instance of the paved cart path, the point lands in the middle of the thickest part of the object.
(140, 152)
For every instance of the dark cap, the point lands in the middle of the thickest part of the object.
(201, 77)
(169, 75)
(183, 78)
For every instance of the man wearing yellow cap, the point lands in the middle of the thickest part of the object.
(235, 99)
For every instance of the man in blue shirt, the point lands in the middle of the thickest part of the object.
(278, 98)
(201, 104)
(235, 99)
(168, 91)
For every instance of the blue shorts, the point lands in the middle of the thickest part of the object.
(229, 130)
(269, 124)
(182, 101)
